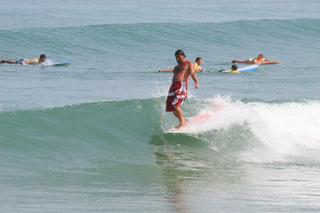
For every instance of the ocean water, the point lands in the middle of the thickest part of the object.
(92, 136)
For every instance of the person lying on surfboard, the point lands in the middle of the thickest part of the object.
(179, 88)
(41, 60)
(256, 60)
(196, 65)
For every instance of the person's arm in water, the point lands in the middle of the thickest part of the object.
(165, 70)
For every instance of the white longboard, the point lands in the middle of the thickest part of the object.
(58, 64)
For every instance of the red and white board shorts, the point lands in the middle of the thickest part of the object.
(177, 95)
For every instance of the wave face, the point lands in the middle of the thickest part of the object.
(244, 131)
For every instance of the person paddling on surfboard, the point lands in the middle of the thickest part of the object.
(256, 60)
(41, 60)
(179, 88)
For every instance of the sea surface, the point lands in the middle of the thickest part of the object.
(93, 136)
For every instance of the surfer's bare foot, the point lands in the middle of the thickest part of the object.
(181, 125)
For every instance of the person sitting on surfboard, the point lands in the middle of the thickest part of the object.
(196, 65)
(179, 88)
(256, 60)
(41, 60)
(234, 69)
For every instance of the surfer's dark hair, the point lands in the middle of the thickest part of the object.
(42, 56)
(234, 67)
(180, 52)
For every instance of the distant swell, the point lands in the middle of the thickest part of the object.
(163, 35)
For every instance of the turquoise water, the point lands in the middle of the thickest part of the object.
(92, 136)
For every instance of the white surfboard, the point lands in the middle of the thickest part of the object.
(58, 64)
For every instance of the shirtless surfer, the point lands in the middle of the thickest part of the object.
(41, 60)
(256, 60)
(179, 88)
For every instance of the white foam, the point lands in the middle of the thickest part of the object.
(287, 130)
(284, 132)
(48, 62)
